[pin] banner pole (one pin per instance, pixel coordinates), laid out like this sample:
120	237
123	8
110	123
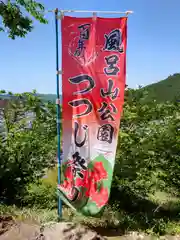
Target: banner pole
92	11
58	114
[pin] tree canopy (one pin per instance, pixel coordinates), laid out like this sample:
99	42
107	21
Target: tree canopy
17	16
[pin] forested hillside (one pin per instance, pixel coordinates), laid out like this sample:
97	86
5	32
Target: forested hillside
165	90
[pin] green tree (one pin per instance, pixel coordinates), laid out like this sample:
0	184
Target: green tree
148	148
14	20
29	143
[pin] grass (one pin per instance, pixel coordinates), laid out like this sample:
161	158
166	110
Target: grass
43	217
115	220
159	214
109	225
36	215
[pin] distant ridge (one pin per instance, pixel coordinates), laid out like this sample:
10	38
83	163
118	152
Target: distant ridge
165	90
44	97
49	97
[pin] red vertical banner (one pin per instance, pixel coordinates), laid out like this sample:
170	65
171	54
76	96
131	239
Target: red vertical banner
93	83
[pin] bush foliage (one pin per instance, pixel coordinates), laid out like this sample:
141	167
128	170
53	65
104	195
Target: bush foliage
147	159
28	143
148	148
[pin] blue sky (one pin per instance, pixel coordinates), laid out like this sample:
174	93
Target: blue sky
153	45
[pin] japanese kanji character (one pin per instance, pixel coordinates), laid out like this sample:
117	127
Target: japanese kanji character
83	78
80	48
106	113
79	164
80	102
110	92
113	41
84	31
111	61
84	35
76	127
105	133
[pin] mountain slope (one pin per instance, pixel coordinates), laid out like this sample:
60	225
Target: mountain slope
165	90
48	97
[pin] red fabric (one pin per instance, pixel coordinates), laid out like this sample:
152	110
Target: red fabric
73	66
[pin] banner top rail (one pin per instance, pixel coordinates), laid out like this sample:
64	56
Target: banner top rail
90	11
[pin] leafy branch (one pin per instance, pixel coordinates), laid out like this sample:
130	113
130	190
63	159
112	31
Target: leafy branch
14	22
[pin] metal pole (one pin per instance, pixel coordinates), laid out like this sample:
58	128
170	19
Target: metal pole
92	11
101	12
58	114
